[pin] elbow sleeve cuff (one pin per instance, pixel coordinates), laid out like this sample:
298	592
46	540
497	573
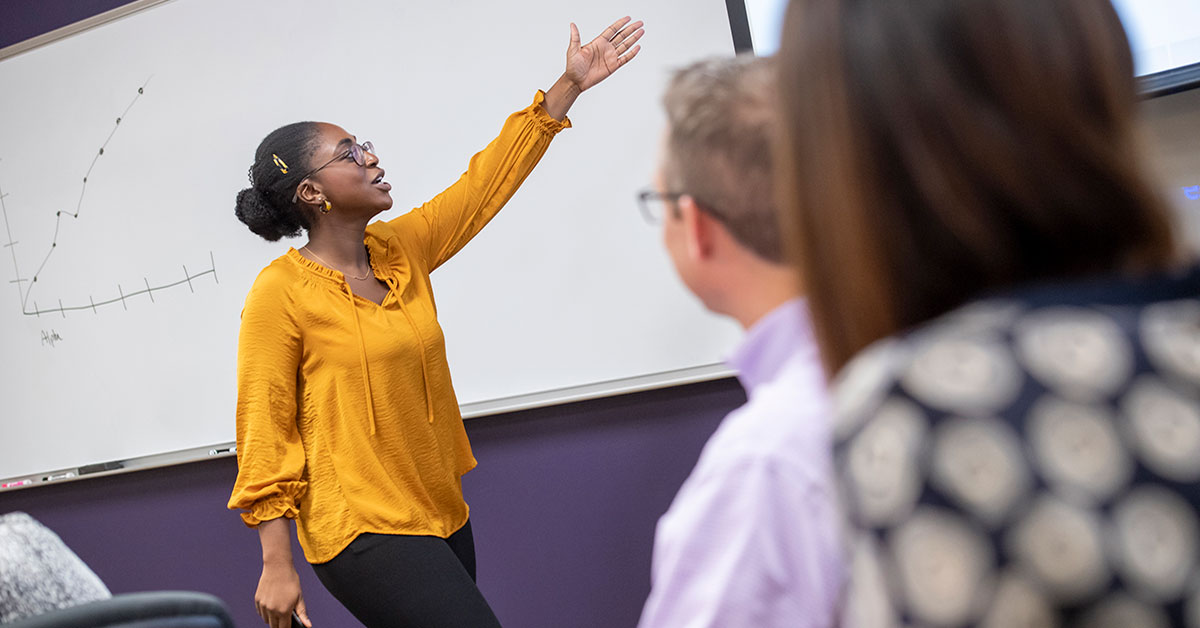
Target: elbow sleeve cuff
282	505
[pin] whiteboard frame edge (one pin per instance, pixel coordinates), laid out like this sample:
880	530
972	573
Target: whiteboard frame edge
597	390
476	410
77	27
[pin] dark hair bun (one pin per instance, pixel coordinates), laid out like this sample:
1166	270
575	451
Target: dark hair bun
267	206
265	219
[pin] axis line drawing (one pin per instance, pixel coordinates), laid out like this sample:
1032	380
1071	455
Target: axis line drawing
25	285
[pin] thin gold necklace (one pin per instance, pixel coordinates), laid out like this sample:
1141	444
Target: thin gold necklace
320	259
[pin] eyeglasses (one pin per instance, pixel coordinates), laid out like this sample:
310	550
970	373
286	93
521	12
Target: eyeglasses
653	204
356	152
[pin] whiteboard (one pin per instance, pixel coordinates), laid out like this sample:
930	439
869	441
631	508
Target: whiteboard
122	353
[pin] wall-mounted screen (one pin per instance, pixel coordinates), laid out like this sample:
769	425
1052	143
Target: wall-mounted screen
1164	35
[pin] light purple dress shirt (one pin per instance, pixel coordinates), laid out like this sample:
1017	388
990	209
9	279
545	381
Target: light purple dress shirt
752	538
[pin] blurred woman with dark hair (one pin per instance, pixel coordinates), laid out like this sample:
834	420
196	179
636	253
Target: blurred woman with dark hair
997	286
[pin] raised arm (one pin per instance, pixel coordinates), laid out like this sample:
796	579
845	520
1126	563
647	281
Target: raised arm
442	226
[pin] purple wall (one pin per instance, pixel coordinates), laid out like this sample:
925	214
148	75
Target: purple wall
23	19
563	505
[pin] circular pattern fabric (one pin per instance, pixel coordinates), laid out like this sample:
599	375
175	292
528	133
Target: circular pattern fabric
1124	611
1077	448
1163	427
1171	336
1155	537
863	384
979	464
1018	603
1079	353
1062	546
966	375
883	465
1032	465
942	563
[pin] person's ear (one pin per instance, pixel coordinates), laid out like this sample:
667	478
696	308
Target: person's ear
698	229
309	193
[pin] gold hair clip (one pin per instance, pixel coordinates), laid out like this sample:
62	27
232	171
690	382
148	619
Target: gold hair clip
279	162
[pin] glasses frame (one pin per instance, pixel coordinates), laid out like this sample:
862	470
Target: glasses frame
357	152
648	195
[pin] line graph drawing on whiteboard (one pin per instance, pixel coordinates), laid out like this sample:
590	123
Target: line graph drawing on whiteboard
25	286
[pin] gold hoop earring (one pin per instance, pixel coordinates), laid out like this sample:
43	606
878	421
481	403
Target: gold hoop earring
328	206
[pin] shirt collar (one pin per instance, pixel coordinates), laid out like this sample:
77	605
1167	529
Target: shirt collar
777	337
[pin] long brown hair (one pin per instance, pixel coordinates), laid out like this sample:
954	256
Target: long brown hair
935	150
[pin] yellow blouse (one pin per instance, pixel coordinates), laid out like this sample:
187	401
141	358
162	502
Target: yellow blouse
346	416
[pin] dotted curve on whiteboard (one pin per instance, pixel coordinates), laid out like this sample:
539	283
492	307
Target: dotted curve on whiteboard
93	305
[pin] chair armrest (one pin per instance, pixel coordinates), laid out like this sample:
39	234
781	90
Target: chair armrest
157	609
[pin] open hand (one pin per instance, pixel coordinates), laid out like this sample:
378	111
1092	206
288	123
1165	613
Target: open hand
589	64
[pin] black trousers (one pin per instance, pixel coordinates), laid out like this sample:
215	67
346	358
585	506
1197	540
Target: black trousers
402	581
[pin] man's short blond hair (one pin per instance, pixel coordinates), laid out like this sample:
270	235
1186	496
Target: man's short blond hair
721	113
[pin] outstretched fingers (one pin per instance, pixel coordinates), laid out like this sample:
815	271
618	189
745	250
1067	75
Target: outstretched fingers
626	43
614	29
627	32
626	58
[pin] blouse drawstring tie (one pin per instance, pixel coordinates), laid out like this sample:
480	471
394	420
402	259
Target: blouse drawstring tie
362	358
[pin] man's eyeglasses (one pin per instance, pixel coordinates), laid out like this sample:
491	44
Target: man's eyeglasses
356	152
653	204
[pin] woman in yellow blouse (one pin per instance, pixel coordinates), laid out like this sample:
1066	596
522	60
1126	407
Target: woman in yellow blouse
346	416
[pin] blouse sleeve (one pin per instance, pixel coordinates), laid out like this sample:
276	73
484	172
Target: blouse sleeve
442	226
270	480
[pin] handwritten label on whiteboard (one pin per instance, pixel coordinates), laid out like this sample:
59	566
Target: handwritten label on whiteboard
49	338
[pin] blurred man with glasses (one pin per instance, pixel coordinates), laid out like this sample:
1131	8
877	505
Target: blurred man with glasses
751	539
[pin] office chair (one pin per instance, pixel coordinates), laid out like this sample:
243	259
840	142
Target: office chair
43	584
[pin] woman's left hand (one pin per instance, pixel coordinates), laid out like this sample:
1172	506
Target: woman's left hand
588	65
